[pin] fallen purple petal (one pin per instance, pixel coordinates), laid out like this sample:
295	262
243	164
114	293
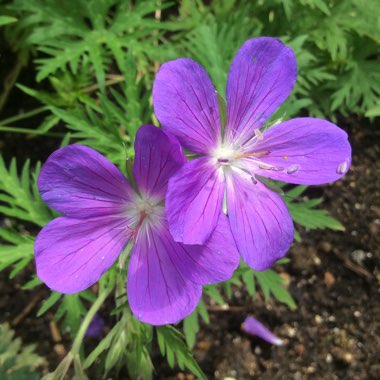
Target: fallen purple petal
254	327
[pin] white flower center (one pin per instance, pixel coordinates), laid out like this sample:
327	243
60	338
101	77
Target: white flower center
225	155
145	212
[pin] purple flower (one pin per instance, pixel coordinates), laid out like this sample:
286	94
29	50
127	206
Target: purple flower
102	213
254	327
232	160
96	327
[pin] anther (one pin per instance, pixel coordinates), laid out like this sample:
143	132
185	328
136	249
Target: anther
342	168
223	160
271	167
265	166
254	180
259	154
259	134
293	168
277	168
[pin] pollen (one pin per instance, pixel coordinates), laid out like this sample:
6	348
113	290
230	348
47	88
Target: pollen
342	168
293	169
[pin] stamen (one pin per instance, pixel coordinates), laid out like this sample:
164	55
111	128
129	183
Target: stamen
277	168
223	160
342	168
254	180
271	167
293	168
259	134
265	166
260	154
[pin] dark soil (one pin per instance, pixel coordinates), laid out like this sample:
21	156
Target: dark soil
334	278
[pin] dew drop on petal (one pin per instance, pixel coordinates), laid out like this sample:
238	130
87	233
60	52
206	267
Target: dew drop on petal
293	168
342	168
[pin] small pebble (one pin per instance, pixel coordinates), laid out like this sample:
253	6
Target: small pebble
318	319
329	279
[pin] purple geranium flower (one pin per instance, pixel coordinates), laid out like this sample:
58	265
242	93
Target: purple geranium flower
102	213
232	161
96	327
254	327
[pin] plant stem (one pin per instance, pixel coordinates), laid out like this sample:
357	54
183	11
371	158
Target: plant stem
87	320
24	115
5	128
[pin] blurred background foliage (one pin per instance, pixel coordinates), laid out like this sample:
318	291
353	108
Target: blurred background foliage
93	63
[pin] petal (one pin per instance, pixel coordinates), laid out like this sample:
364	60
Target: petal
254	327
96	327
186	104
81	183
72	254
260	221
158	293
261	77
157	157
194	200
215	261
310	151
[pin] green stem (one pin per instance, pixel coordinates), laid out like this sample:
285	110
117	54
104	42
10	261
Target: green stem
87	320
24	115
28	131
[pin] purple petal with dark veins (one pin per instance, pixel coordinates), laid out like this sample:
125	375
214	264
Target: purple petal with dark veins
72	254
81	183
194	200
260	221
158	292
215	261
261	77
186	104
310	151
157	157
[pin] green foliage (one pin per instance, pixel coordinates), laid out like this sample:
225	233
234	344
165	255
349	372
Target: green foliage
337	44
17	362
173	346
19	196
191	323
305	213
5	20
128	341
18	254
92	31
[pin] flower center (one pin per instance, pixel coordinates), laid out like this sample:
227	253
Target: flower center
146	212
225	155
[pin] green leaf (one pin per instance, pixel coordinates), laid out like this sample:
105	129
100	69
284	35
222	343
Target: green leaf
20	195
191	328
5	20
17	361
271	283
173	346
49	303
